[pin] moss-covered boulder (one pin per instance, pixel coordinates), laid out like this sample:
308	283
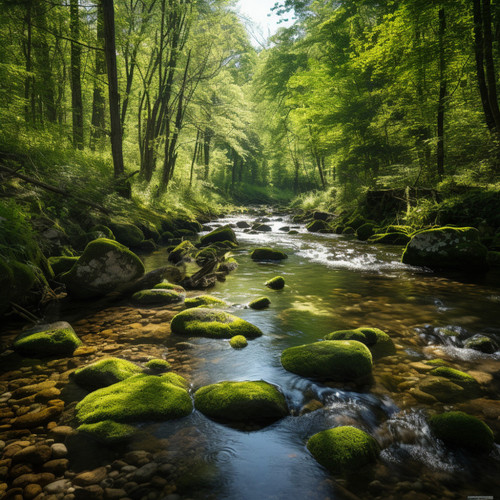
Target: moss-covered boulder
447	248
349	230
317	225
181	251
105	266
268	254
365	231
389	238
138	398
205	255
55	339
379	343
62	264
103	232
457	428
481	343
127	234
238	342
165	285
228	265
444	390
259	303
337	360
463	379
158	365
256	401
204	301
276	283
212	323
343	449
224	233
105	372
157	297
108	432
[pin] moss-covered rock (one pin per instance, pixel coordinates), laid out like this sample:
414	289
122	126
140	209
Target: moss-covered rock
104	266
317	225
338	360
365	231
481	343
263	228
165	285
212	323
204	301
102	231
457	428
138	398
260	303
389	238
348	230
157	297
268	254
343	449
127	234
206	255
62	264
458	377
276	283
166	237
379	343
228	265
158	365
56	339
181	251
224	233
256	401
105	372
447	248
444	390
238	342
108	432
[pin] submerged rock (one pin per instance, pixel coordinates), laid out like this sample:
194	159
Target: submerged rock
181	251
241	401
259	303
276	283
238	342
338	360
212	323
224	233
204	301
268	254
343	449
317	225
379	343
157	297
481	343
108	431
165	285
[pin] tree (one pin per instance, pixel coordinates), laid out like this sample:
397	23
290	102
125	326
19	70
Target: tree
76	83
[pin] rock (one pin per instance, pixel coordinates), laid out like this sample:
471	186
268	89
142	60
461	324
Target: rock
92	492
338	360
457	428
238	342
61	432
276	283
481	343
37	418
127	234
204	301
321	215
181	251
212	323
447	248
57	487
157	297
145	473
241	401
262	227
62	264
55	339
343	449
27	390
365	231
57	467
242	224
165	285
348	230
464	380
105	372
259	303
224	233
90	477
42	479
389	238
35	454
158	366
317	225
265	253
108	432
105	266
31	491
138	398
379	343
114	494
59	450
442	389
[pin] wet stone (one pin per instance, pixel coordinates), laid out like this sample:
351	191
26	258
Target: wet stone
91	477
31	491
92	492
57	466
33	454
59	450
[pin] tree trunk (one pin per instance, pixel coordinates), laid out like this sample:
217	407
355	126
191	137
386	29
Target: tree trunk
76	79
207	139
28	81
114	96
442	95
195	153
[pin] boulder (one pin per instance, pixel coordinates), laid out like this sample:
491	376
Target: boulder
242	224
444	390
365	231
55	339
157	297
337	360
104	267
127	234
379	343
260	303
224	233
317	225
108	431
105	372
276	283
181	251
165	285
204	301
158	366
212	323
268	254
343	449
481	343
256	401
447	248
62	264
238	342
389	238
262	227
321	215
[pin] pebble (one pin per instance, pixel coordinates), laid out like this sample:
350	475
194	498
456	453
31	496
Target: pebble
59	450
144	473
91	477
56	487
31	491
36	455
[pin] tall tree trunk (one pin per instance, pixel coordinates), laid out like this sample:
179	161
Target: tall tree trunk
114	96
76	78
442	95
207	139
195	153
28	81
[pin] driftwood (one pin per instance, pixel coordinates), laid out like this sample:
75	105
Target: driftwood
204	278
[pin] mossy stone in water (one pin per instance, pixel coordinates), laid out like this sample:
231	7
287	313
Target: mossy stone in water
158	365
108	431
256	401
457	428
238	342
276	283
204	301
212	323
268	254
260	303
205	255
338	360
443	390
343	449
379	343
228	265
181	251
317	225
481	343
138	398
157	297
389	238
463	379
164	285
365	231
224	233
56	339
105	372
105	231
62	264
127	234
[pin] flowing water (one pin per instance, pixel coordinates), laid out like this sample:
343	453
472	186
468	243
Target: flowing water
335	283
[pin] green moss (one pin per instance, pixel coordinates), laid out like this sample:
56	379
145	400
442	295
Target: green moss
457	428
268	254
138	398
157	297
62	264
165	285
389	238
205	255
158	365
260	303
276	283
435	362
104	231
317	225
228	265
204	301
339	360
127	234
224	233
356	221
348	230
379	343
446	390
365	231
225	245
238	342
256	401
458	377
108	432
212	323
58	339
104	372
481	343
343	449
181	251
